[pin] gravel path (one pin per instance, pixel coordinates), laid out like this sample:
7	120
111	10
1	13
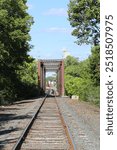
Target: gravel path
83	122
13	120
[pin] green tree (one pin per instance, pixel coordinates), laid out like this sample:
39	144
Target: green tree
71	74
84	16
27	83
28	72
81	79
94	65
71	66
72	70
15	25
14	32
70	60
84	70
51	78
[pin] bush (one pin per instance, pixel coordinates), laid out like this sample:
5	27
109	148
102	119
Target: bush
94	95
82	78
23	84
7	91
82	88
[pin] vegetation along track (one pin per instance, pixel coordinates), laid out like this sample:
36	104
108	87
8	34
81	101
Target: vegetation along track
46	130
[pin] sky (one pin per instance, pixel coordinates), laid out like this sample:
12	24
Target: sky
51	32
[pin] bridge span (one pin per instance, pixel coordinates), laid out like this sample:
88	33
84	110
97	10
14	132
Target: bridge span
51	65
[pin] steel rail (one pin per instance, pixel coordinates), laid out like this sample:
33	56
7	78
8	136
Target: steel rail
26	130
68	133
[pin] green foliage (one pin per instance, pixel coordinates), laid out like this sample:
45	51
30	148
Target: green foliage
69	85
83	78
84	70
28	73
72	70
28	80
14	31
23	85
7	91
71	66
50	78
84	16
94	60
79	81
15	25
70	60
78	86
93	95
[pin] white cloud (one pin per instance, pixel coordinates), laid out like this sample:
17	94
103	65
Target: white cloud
58	29
56	12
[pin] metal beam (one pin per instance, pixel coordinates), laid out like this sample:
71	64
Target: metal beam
52	65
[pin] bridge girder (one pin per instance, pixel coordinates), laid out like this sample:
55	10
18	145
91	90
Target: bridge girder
51	65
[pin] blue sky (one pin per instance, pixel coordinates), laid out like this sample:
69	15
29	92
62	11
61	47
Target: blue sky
51	32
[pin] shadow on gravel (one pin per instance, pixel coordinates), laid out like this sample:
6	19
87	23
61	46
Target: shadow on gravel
3	132
28	100
7	117
23	102
6	108
7	141
1	146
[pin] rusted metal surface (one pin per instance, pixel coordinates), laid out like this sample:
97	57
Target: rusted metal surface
67	132
51	65
26	130
48	130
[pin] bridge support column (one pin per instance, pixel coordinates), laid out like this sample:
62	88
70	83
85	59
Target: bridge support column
41	76
62	78
58	82
39	73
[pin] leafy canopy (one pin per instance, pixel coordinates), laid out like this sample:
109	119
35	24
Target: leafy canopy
94	65
84	17
70	60
82	77
15	24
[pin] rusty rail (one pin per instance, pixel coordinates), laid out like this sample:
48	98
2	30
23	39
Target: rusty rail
26	130
52	112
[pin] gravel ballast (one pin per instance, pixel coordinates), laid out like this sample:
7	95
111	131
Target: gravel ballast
83	122
13	120
82	119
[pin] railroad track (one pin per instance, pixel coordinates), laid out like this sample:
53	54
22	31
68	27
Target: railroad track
47	130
